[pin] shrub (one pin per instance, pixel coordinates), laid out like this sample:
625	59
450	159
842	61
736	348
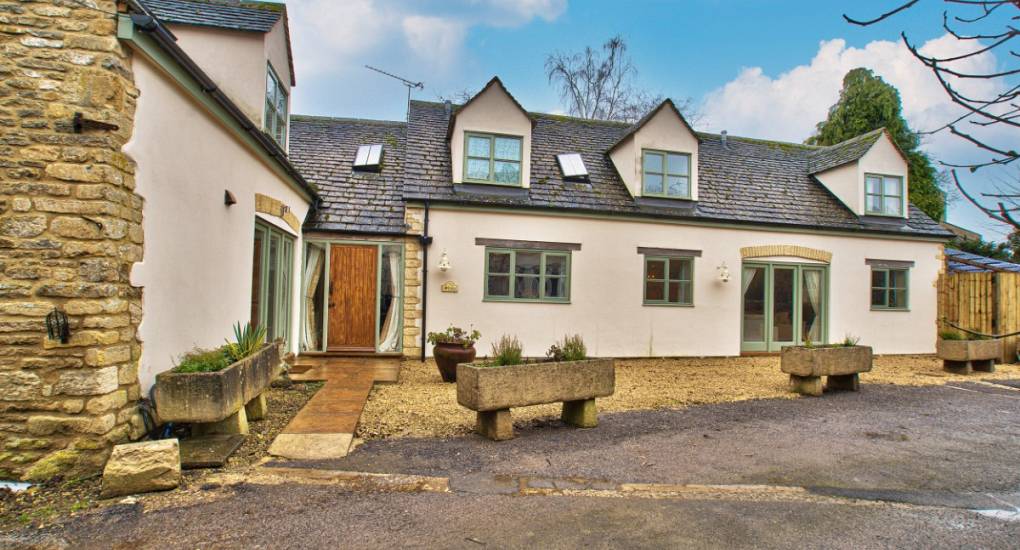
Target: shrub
454	335
850	341
247	340
950	335
571	348
204	360
506	351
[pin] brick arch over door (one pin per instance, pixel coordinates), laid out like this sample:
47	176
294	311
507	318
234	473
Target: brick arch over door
265	204
786	250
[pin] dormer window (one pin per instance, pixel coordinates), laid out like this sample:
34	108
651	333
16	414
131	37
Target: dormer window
883	195
275	118
368	158
666	174
572	166
492	158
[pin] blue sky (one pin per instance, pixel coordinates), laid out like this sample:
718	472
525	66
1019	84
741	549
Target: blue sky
760	68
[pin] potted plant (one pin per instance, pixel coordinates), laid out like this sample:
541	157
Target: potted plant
841	363
963	354
451	347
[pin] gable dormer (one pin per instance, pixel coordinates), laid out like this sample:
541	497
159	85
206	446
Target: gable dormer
490	139
868	174
658	156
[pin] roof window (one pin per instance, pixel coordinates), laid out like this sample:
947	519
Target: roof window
572	166
369	157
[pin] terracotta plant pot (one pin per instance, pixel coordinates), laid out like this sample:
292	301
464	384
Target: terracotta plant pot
449	355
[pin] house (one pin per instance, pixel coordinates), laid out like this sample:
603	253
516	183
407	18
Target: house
648	239
148	205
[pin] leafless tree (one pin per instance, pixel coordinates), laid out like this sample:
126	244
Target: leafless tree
598	84
989	25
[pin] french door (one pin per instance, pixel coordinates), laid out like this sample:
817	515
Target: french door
272	262
783	304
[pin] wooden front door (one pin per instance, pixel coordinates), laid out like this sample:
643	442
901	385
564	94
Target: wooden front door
352	297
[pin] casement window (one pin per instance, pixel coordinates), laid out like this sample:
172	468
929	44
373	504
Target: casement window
527	275
275	119
669	281
666	174
271	281
883	195
492	158
889	288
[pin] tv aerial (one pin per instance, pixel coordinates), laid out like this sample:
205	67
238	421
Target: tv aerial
411	85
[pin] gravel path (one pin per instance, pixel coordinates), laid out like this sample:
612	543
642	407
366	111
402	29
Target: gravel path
421	405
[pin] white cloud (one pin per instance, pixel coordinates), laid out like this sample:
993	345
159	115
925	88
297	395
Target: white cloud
434	40
788	106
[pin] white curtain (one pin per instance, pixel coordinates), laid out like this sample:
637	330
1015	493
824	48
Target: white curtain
748	277
391	326
313	272
813	288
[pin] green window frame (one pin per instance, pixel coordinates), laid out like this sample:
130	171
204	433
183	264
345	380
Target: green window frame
665	174
669	281
890	289
275	280
494	159
276	108
526	275
884	195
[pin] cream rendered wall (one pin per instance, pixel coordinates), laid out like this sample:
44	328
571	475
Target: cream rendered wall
235	60
665	132
847	181
495	112
606	286
197	268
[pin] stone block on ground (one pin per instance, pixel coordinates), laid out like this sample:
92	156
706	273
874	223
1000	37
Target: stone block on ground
495	425
806	385
211	451
847	382
236	423
256	409
142	467
582	414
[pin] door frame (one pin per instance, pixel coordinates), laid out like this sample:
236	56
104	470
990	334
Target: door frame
327	244
768	346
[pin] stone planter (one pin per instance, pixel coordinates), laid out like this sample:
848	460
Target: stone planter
967	356
217	401
449	355
493	391
841	364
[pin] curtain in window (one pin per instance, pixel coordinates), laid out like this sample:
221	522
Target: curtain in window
813	290
391	324
313	271
748	277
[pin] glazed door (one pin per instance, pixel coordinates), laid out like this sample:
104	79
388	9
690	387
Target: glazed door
352	298
783	305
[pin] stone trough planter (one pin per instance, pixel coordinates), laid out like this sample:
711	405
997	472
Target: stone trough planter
219	402
967	356
493	391
841	364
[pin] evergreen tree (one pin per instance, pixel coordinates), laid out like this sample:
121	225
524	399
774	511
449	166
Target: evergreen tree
867	103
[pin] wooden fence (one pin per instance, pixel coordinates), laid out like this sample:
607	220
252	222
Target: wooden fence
987	302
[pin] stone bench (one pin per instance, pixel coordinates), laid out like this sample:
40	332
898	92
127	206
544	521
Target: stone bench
841	365
492	391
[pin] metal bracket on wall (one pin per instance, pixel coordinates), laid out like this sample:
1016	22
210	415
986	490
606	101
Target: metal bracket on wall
81	124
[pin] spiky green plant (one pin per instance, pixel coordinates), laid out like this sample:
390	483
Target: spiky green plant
247	340
571	348
507	351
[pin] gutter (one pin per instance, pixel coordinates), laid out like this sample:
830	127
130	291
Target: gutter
425	241
165	40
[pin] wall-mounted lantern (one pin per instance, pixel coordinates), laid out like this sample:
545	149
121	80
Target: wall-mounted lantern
444	262
724	273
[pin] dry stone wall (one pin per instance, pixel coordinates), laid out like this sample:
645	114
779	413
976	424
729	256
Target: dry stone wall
70	230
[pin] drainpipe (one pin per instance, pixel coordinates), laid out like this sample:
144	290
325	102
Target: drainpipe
425	241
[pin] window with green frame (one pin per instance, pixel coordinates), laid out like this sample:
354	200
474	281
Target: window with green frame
883	195
275	119
889	288
271	280
492	158
527	275
665	174
669	281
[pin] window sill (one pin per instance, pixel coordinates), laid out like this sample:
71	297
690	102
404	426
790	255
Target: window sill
486	182
893	309
525	301
655	304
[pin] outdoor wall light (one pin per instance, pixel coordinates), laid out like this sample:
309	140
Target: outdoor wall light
444	262
724	273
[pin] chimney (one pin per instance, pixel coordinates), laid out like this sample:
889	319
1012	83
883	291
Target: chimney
449	107
722	135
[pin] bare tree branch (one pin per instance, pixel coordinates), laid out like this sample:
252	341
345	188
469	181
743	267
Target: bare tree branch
882	17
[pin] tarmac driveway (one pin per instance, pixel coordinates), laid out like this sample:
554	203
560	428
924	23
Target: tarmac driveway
889	466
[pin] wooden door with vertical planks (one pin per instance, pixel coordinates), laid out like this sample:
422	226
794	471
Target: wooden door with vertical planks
352	297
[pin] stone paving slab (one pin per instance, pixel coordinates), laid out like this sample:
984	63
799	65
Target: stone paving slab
211	451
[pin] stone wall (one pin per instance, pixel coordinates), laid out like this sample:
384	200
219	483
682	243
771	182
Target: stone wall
70	230
414	217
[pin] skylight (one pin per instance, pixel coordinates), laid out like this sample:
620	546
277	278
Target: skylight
368	157
572	166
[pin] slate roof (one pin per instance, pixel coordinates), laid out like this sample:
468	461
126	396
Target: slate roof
851	150
956	262
352	201
239	16
745	181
